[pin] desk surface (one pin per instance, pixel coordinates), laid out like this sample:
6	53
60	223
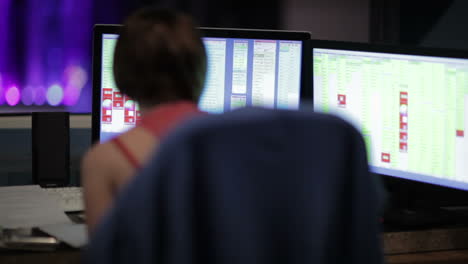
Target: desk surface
63	256
439	257
73	257
432	240
428	246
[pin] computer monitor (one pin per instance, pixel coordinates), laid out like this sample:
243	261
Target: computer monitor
411	105
245	68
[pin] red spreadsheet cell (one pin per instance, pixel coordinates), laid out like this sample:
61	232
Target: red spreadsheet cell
460	133
106	116
386	157
106	110
403	98
107	94
129	112
341	100
118	100
403	146
403	136
403	119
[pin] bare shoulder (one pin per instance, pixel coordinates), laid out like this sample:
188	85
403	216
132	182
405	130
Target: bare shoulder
97	176
111	163
100	159
98	155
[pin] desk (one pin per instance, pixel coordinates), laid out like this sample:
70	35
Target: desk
429	246
62	256
435	246
73	257
432	240
439	257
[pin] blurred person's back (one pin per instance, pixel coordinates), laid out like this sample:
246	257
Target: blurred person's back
250	186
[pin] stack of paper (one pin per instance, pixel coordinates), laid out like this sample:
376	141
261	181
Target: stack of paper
75	235
29	206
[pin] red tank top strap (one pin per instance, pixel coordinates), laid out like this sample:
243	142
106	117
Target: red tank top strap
158	122
126	152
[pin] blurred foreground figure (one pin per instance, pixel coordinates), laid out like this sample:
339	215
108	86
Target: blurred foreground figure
251	186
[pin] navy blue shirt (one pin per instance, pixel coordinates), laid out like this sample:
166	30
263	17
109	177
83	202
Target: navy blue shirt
250	186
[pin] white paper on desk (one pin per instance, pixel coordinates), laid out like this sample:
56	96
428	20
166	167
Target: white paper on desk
75	235
29	206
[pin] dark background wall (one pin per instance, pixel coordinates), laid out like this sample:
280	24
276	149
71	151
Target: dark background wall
329	19
450	29
440	24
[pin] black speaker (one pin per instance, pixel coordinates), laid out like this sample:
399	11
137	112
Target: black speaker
51	148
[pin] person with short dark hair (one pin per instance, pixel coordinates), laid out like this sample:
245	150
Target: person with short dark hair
160	62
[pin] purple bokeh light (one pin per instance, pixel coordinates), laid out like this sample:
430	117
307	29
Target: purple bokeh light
5	43
77	58
12	96
39	95
57	52
2	95
50	44
54	95
75	79
27	95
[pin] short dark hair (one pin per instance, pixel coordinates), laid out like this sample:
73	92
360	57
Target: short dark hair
159	57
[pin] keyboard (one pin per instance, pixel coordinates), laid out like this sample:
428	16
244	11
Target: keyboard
70	198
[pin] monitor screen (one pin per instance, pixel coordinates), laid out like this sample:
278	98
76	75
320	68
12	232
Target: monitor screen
411	109
241	72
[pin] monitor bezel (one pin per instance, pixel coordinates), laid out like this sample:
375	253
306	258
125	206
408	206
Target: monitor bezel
99	30
425	189
388	48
